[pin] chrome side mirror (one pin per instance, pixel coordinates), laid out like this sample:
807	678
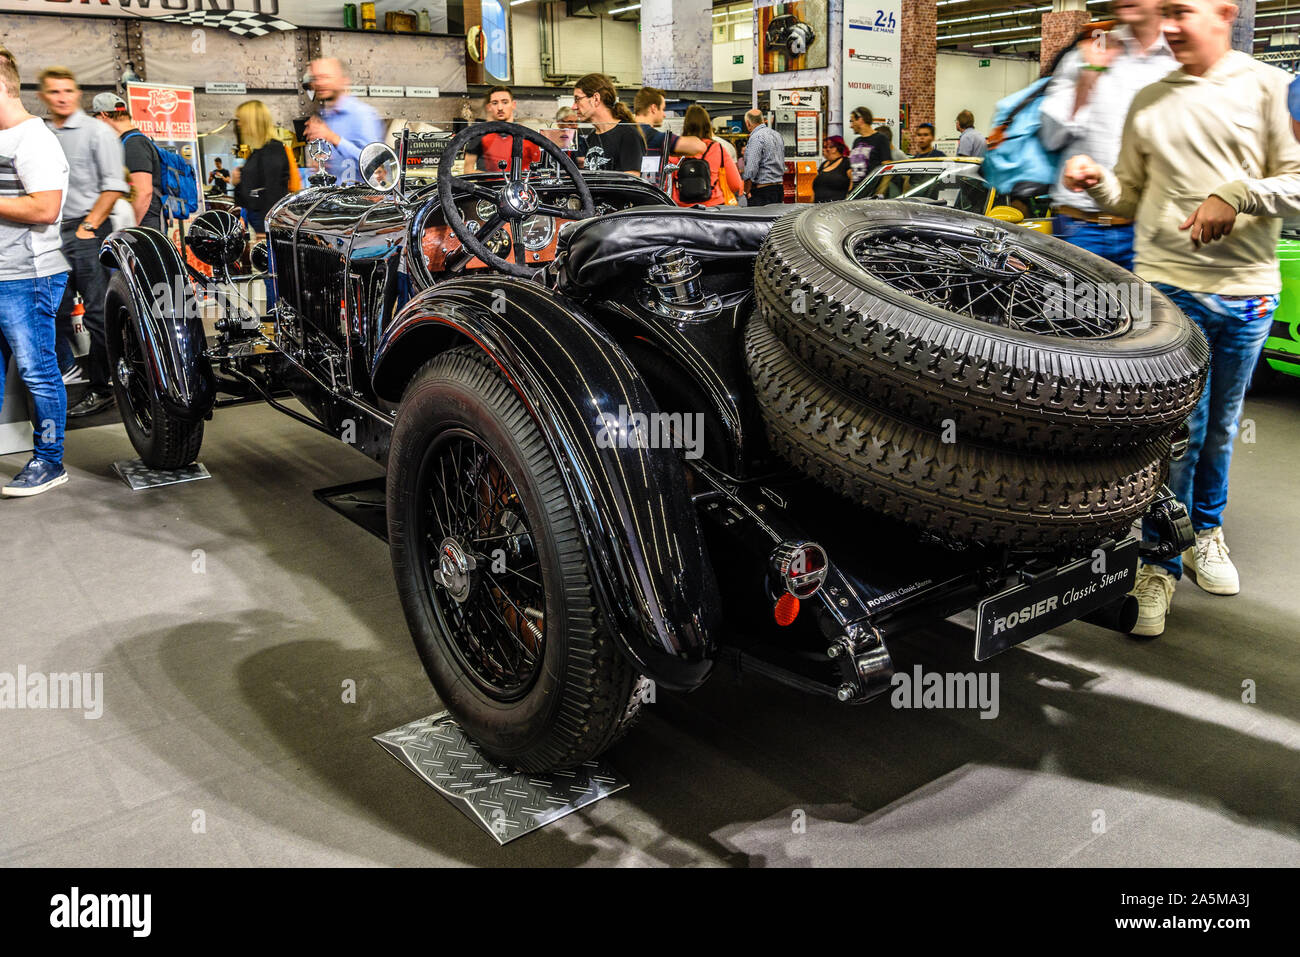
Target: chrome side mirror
379	167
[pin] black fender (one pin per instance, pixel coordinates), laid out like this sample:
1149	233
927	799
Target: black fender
173	341
653	578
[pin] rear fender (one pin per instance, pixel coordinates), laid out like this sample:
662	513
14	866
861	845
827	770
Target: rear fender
653	579
170	333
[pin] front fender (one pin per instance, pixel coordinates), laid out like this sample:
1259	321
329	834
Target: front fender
653	579
170	333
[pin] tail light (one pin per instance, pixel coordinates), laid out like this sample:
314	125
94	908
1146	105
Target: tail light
799	569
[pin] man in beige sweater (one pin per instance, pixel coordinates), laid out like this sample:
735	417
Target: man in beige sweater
1207	167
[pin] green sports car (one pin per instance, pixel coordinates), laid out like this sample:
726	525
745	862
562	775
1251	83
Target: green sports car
1281	355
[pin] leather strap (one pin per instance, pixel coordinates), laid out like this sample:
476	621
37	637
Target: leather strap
1097	219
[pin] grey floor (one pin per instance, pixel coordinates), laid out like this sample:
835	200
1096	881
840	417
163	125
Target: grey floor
227	615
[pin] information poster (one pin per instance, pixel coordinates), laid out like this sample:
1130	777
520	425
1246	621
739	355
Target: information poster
166	115
872	55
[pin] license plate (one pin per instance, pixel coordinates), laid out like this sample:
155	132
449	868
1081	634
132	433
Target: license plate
1072	591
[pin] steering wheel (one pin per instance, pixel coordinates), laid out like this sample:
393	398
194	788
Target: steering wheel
515	199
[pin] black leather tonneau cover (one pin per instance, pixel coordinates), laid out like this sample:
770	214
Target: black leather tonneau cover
602	249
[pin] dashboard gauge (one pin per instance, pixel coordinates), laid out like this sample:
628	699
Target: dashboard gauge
499	241
485	209
537	232
573	203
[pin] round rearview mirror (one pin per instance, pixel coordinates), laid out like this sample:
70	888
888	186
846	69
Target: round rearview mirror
379	167
217	237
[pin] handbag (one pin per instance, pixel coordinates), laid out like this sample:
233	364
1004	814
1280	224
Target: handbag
728	197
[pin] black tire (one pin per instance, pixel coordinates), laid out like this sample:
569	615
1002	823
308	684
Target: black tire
1011	387
583	693
960	491
162	440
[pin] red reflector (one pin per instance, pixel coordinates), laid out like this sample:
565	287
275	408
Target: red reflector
787	609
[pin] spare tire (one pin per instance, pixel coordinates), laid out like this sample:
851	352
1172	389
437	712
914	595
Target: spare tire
1021	340
959	491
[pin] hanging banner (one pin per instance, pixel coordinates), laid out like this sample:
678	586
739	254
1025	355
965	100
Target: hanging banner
496	40
872	59
166	115
241	17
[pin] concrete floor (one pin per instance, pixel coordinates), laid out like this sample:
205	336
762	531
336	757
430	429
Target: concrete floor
223	703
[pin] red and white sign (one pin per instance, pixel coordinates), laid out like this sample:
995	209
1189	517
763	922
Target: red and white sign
166	115
163	112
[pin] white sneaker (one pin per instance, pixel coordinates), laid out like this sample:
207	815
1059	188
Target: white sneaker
75	375
1208	562
1154	589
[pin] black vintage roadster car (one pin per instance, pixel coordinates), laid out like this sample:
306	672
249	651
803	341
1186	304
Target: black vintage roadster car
624	439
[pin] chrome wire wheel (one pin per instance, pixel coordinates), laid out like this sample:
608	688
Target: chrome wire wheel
480	565
986	274
132	375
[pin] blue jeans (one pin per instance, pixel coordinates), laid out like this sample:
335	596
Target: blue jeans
27	311
1109	242
1236	327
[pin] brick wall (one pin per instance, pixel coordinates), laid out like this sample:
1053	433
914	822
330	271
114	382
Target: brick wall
917	82
1059	30
94	49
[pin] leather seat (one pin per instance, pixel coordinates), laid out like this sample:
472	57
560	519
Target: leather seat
607	247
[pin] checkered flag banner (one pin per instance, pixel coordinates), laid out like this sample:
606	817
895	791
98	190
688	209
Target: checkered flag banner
237	22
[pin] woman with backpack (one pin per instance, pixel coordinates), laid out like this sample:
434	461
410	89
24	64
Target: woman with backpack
264	178
710	179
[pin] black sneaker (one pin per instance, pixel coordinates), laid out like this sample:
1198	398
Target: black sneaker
36	477
91	403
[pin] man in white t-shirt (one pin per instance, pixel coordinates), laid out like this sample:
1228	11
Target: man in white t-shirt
33	272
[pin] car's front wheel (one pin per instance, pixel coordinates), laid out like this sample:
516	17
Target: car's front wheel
493	576
162	440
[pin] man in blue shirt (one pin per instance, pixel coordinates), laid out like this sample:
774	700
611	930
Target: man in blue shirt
344	122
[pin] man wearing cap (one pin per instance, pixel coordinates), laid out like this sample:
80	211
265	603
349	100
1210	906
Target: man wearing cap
95	183
143	164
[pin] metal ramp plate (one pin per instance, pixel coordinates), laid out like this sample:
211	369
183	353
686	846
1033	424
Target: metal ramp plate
363	503
505	803
139	476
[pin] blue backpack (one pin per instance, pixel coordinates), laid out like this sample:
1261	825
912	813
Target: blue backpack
1017	162
179	189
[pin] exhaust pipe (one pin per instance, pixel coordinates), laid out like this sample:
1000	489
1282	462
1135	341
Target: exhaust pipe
1120	615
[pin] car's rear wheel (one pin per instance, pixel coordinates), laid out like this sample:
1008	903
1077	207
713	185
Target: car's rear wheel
493	574
162	440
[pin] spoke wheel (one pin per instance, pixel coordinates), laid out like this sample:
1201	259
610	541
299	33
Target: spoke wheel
493	573
481	565
162	439
987	275
132	375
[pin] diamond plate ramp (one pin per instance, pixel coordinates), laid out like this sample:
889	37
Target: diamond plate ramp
505	803
139	476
